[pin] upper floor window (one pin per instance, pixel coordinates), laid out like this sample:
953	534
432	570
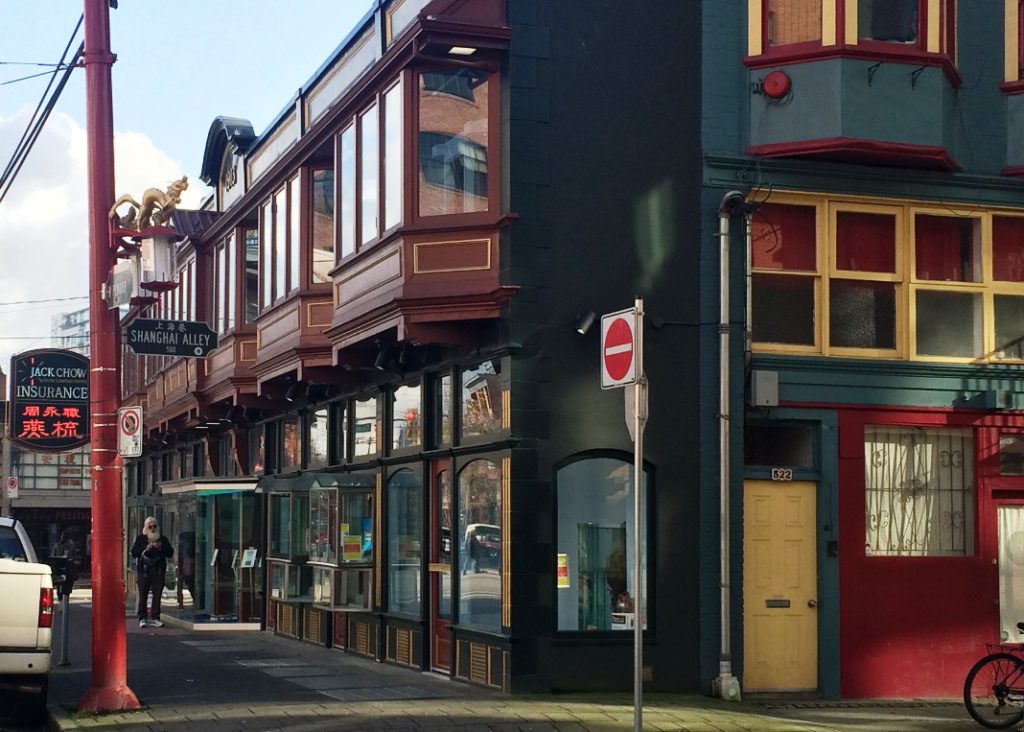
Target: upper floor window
323	225
252	275
1013	41
369	173
850	278
280	243
792	21
452	142
224	285
778	27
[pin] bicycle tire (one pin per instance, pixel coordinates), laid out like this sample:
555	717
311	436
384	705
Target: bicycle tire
994	690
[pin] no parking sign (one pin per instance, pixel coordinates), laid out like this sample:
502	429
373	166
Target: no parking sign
129	431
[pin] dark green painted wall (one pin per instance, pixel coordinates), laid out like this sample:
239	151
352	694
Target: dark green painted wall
603	117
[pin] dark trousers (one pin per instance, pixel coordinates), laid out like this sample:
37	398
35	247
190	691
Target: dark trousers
146	583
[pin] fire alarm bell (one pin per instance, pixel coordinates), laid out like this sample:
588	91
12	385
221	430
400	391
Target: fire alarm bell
776	85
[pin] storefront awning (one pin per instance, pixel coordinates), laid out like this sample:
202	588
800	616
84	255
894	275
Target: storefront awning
207	486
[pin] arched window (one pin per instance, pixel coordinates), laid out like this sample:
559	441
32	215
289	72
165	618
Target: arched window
480	545
596	580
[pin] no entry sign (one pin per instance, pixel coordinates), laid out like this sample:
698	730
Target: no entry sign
618	349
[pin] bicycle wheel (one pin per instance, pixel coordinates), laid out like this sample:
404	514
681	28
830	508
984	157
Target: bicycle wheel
994	691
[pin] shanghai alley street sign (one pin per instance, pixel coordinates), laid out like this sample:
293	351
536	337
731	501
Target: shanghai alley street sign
188	338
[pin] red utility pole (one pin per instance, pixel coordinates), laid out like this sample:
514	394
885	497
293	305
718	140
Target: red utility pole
109	690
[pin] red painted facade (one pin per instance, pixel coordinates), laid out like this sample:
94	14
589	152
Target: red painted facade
913	626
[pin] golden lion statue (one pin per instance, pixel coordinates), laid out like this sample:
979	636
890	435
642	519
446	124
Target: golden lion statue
156	207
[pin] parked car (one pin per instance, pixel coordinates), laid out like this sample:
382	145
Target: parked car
26	621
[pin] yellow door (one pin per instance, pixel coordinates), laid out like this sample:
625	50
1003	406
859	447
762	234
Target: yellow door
780	584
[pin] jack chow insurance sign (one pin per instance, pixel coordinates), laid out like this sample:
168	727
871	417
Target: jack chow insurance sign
50	400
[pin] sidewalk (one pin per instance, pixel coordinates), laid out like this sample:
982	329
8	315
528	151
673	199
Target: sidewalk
224	680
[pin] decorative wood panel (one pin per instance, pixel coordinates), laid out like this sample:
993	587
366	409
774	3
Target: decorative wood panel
479	664
283	327
318	314
370	276
361	638
451	256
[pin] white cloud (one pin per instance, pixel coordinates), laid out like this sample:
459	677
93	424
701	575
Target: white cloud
44	238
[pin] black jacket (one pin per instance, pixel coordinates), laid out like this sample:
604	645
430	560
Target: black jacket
151	561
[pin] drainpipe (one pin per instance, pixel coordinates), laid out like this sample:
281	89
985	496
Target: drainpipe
725	685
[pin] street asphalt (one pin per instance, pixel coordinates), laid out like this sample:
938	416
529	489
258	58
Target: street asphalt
246	680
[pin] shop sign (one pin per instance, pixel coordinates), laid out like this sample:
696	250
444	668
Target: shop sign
563	571
49	407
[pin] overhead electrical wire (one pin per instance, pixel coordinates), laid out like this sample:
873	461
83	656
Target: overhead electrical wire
41	113
49	299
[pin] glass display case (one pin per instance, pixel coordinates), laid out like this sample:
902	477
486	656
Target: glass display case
289	533
356	540
291	581
323	524
342	589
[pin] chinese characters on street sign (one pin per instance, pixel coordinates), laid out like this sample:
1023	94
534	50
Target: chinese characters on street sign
49	400
170	338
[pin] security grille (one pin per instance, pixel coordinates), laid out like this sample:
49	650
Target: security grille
919	491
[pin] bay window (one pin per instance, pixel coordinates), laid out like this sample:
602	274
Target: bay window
280	242
781	27
370	172
323	225
224	285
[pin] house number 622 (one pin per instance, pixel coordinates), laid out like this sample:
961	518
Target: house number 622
782	474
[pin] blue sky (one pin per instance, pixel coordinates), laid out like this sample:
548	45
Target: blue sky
180	64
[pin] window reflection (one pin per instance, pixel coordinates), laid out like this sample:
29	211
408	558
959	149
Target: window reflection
318	442
404	545
323	224
453	142
365	427
406	422
483	392
480	537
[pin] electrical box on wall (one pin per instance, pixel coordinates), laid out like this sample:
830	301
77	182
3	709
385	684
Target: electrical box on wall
764	389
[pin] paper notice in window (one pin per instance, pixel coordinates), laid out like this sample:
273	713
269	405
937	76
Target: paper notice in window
562	571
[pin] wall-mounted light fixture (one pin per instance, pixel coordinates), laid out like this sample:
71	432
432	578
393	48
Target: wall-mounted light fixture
296	390
584	321
461	51
383	358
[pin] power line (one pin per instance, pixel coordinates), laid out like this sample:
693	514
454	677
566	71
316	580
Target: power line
34	76
35	125
51	299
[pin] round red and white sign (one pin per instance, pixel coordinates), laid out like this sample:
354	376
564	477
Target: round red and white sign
129	423
618	363
12	483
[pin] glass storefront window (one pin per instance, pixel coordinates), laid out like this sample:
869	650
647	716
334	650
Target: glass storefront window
443	411
323	524
356	527
484	390
365	427
480	531
404	502
280	521
291	444
595	545
406	420
339	443
318	439
257	450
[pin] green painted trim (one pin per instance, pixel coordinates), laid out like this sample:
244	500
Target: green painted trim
721	171
827	477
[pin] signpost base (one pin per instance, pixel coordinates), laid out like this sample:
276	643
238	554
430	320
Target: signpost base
117	699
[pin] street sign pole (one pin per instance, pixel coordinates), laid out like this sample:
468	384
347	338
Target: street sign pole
639	421
109	689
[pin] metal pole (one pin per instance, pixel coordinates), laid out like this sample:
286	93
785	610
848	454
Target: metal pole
5	456
639	418
109	691
63	630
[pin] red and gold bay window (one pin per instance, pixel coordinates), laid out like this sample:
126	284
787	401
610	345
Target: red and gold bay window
849	277
902	27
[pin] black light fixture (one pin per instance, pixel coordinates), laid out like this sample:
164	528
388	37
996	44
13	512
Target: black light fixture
584	321
383	358
294	391
233	415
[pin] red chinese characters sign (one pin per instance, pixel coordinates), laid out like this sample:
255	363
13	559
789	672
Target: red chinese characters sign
50	400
